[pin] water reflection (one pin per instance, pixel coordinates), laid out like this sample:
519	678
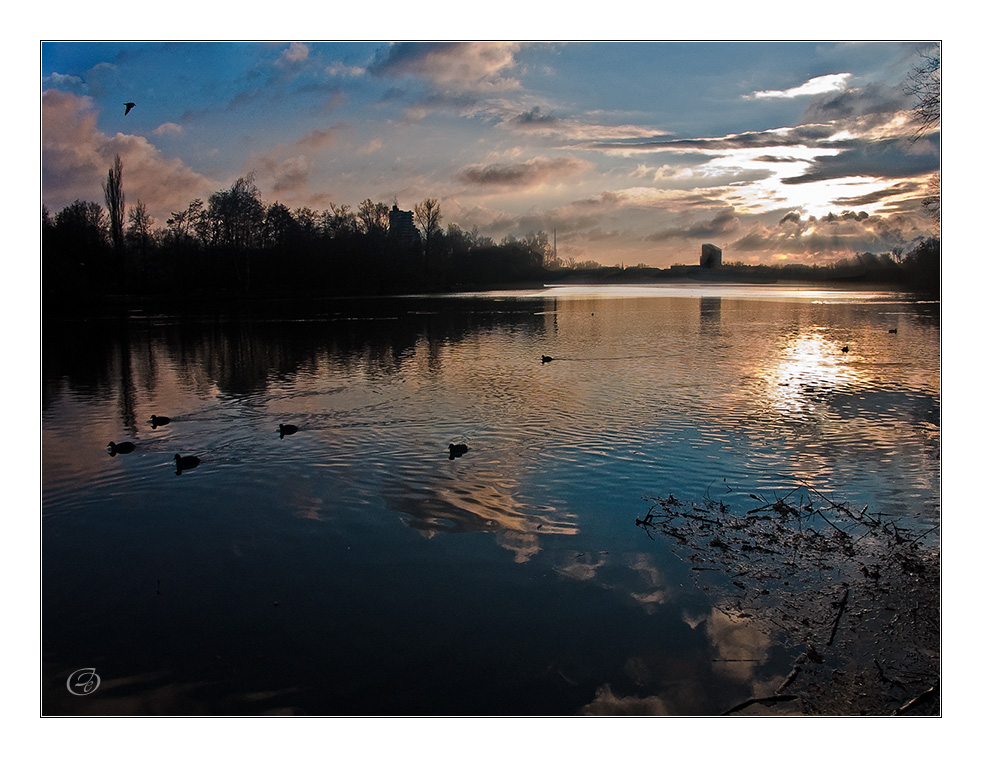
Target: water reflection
810	365
446	476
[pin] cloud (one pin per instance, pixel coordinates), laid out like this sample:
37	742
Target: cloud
294	55
287	167
289	176
532	172
76	155
807	135
606	703
797	238
723	223
854	102
339	69
318	139
815	86
534	117
168	128
895	190
739	643
66	82
455	66
581	568
894	158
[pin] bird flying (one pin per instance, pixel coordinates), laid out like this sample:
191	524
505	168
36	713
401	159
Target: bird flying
129	107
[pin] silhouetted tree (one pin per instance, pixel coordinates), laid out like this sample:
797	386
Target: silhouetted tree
116	205
280	227
83	223
115	202
47	224
924	85
307	222
374	218
187	224
235	216
458	241
922	265
79	255
140	235
339	221
234	221
537	243
427	216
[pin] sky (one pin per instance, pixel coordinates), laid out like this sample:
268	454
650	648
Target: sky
624	152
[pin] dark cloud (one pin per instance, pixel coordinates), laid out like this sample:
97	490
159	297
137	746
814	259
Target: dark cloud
529	173
872	100
450	66
794	137
407	57
895	190
795	239
534	117
723	223
606	199
319	138
776	159
892	158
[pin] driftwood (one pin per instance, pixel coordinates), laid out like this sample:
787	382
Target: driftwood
838	616
931	693
804	563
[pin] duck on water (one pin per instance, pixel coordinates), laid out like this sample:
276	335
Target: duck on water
185	462
121	449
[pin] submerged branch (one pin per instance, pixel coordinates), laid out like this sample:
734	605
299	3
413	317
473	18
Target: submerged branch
777	565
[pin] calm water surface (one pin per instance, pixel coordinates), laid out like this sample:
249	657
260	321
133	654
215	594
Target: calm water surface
355	568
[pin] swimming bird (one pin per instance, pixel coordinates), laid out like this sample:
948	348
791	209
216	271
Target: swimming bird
546	358
122	448
185	462
156	421
287	429
457	450
845	349
129	107
893	331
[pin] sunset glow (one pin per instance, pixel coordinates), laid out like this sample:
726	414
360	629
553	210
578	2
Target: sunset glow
628	153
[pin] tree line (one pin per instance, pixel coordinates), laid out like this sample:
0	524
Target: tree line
236	246
233	244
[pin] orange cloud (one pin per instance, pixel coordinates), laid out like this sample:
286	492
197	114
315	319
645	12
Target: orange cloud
76	155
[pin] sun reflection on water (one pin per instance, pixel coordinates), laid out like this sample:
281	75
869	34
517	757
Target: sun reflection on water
811	363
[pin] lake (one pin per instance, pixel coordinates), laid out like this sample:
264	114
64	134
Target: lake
356	567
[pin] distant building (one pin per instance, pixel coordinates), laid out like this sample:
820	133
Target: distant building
712	256
402	230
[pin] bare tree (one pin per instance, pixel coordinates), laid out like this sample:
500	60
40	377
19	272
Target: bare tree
141	234
374	217
115	204
924	85
427	216
339	222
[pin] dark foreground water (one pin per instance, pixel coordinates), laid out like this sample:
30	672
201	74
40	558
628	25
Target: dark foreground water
355	568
